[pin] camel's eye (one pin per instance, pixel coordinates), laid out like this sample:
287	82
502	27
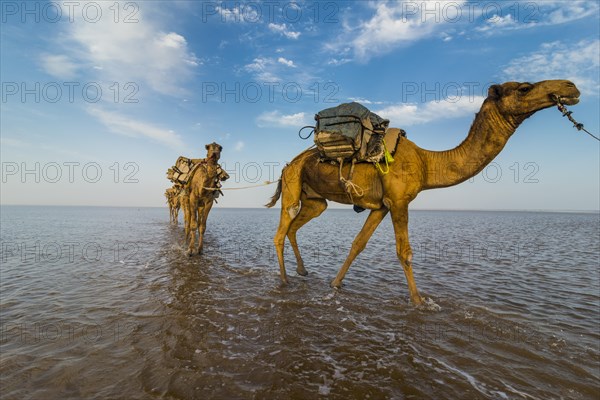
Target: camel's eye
525	89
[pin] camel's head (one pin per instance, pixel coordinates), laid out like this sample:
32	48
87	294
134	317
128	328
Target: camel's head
213	151
521	100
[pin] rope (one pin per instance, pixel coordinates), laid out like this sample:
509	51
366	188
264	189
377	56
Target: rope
352	187
309	133
566	113
265	183
388	159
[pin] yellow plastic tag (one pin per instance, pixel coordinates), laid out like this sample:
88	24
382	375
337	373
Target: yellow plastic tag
388	157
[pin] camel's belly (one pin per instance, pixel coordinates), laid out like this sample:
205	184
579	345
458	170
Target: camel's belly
365	188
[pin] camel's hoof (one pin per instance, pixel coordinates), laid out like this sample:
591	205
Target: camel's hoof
336	285
417	301
301	271
284	282
189	253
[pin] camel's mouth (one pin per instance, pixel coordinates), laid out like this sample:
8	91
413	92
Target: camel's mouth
566	100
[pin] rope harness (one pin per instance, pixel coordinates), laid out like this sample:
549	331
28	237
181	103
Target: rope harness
566	113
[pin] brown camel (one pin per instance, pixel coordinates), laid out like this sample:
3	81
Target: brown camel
199	194
172	195
306	183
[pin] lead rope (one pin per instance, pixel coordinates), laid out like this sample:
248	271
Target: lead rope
566	113
265	183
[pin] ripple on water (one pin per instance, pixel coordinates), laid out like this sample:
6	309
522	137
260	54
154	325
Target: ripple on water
509	317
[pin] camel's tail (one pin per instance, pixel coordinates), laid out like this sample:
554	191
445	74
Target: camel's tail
277	194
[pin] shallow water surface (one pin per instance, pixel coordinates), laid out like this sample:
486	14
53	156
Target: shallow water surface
103	303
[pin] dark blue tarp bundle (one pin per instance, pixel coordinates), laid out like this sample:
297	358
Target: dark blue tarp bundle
347	120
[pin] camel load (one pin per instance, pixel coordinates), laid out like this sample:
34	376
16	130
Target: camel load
181	171
351	131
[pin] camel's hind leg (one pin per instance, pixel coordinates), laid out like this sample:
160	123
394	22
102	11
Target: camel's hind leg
290	207
311	208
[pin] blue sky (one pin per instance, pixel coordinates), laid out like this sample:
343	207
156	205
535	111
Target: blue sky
100	98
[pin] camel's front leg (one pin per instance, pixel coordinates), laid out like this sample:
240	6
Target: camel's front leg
360	242
202	216
186	217
192	227
176	214
403	250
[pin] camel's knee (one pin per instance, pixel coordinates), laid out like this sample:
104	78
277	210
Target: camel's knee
279	241
293	210
405	255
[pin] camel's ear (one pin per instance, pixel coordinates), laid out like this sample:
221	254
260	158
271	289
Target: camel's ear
220	148
206	146
495	92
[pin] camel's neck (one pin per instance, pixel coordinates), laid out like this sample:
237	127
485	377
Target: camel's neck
488	135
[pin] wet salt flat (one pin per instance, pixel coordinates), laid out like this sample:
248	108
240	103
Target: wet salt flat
103	303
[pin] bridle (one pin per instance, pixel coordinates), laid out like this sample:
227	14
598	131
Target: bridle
566	113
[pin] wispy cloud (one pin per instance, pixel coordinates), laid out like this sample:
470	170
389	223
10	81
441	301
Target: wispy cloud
277	119
535	14
415	114
392	25
123	125
338	61
11	142
59	66
578	62
364	101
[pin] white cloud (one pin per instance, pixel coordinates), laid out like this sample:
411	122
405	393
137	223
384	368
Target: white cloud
395	24
142	52
263	69
123	125
414	114
59	66
284	30
286	62
276	118
239	146
578	62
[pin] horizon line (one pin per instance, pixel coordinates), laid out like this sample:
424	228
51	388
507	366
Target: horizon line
329	208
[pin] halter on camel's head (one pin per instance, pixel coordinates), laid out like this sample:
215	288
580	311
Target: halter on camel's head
213	151
212	156
520	100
